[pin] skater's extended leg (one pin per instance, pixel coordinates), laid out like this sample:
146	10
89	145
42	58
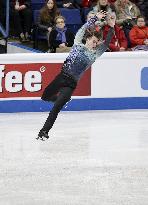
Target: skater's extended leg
63	97
50	92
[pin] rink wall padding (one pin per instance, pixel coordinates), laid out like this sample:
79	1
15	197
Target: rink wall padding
75	105
115	81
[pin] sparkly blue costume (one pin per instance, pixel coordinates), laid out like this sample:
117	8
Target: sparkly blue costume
81	58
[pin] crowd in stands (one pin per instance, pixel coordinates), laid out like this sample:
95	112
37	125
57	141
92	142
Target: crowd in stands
131	29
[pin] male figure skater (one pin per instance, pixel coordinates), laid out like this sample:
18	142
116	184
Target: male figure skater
88	45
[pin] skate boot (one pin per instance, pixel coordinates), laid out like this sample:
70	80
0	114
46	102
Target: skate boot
43	135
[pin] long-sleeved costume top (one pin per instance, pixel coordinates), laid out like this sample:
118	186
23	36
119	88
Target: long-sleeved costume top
80	57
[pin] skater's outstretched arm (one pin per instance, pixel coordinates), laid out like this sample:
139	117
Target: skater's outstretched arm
103	47
80	34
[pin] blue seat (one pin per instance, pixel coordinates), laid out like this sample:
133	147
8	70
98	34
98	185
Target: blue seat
85	11
72	18
37	4
35	15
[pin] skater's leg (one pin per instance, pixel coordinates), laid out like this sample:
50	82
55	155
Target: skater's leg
50	92
63	97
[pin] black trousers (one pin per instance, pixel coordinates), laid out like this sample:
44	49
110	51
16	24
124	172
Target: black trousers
62	87
21	20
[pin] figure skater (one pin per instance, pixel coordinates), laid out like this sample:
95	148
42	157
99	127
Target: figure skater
88	45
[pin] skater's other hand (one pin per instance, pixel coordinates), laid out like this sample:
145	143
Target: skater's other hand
101	14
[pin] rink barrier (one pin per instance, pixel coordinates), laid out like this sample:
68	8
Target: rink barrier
75	105
17	47
115	81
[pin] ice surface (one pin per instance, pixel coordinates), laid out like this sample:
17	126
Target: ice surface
91	158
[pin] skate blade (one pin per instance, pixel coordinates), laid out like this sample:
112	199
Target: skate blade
42	138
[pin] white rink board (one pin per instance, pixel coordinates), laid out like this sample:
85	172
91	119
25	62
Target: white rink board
113	74
118	75
119	80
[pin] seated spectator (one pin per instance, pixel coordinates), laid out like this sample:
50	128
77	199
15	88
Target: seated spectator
139	35
61	38
69	4
21	16
118	41
104	5
46	17
127	13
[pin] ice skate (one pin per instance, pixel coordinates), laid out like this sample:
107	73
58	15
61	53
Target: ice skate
43	135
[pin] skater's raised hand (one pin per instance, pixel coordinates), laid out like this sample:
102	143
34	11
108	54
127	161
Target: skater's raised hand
101	14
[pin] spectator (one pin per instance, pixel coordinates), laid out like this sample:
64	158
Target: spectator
139	35
69	4
127	13
60	38
47	16
104	5
21	14
118	41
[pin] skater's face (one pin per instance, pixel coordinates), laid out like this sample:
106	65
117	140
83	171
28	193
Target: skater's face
92	42
50	4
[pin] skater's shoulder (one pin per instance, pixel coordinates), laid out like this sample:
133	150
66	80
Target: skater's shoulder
78	47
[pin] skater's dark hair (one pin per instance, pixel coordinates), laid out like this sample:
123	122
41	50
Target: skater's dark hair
92	32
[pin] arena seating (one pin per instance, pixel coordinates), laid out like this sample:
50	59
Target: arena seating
73	18
36	34
73	22
37	4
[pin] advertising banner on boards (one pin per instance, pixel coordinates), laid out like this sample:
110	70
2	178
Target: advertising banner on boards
29	80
